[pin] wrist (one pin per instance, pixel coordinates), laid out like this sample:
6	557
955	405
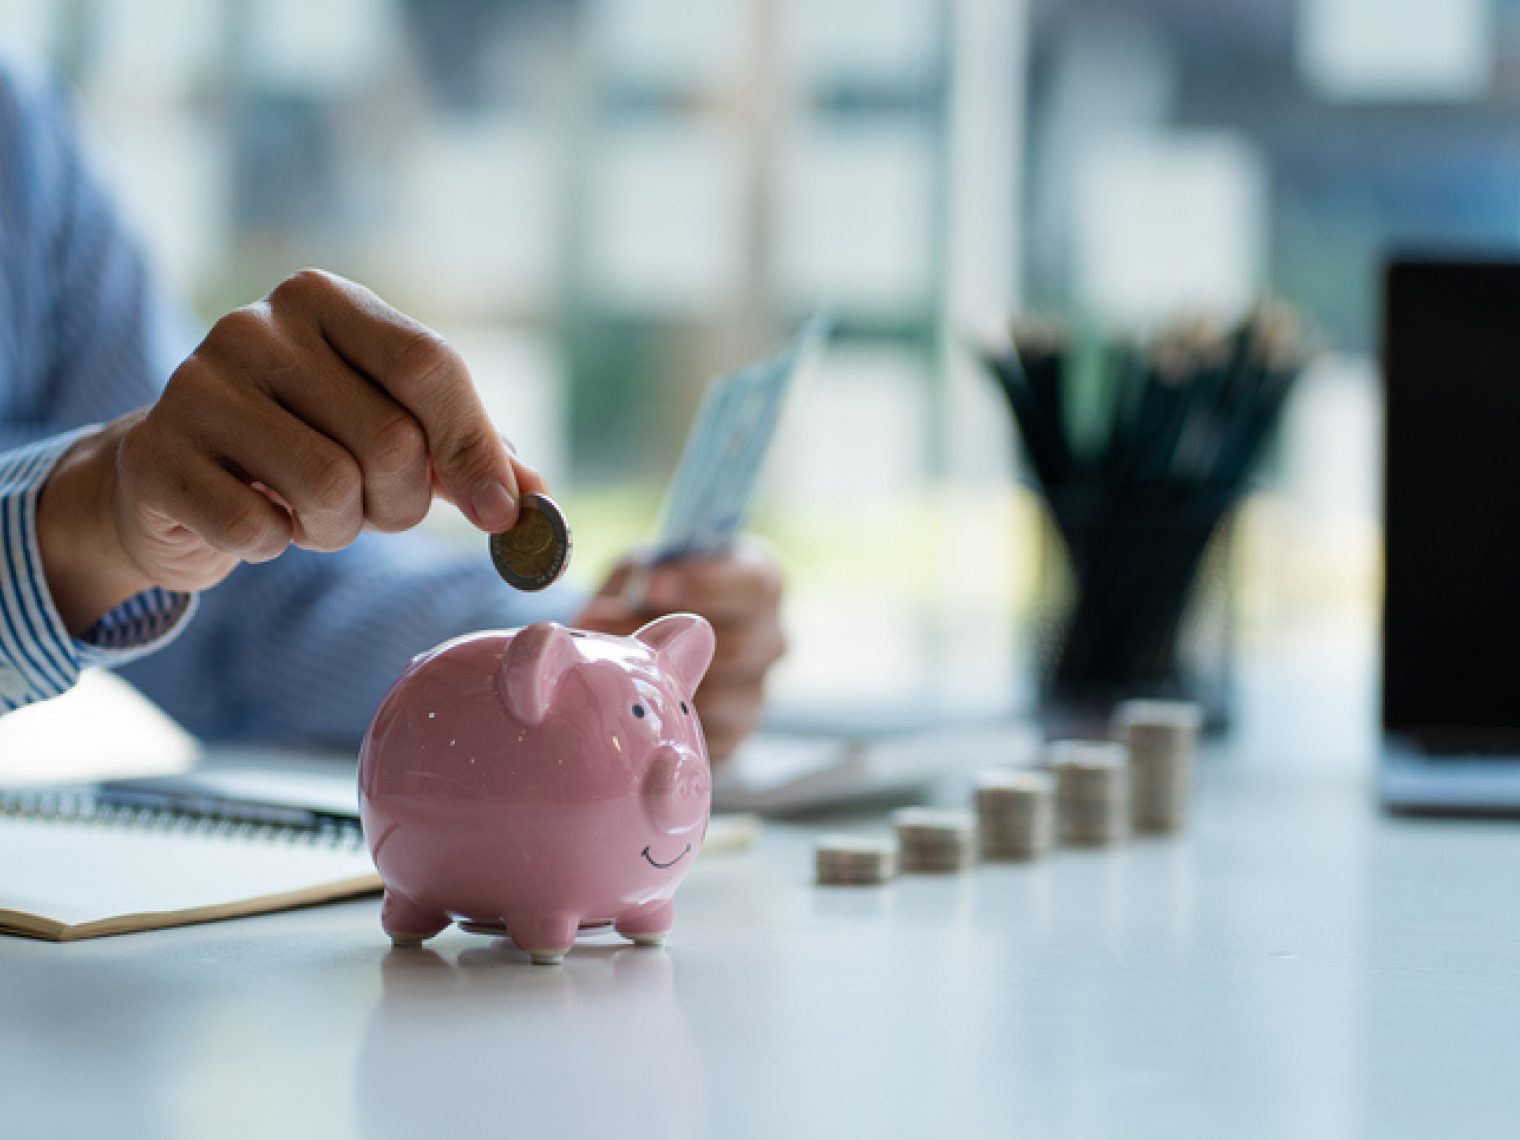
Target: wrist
88	570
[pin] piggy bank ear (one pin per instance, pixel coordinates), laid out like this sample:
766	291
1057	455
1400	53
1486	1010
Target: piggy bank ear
684	643
536	661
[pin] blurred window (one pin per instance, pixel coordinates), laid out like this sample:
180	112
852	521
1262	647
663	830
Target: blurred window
606	202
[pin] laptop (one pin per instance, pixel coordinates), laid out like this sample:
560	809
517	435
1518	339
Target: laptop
1451	512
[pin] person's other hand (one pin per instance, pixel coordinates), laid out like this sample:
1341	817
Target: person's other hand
302	419
740	594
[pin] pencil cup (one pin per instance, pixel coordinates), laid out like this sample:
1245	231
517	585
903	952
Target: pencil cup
1135	600
1141	451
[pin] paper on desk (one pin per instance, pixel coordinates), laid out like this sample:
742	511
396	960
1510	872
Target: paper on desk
779	774
99	729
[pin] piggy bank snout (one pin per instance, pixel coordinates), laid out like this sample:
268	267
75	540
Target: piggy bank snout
677	789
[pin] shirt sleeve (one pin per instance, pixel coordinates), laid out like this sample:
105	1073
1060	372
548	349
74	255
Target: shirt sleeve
87	334
38	657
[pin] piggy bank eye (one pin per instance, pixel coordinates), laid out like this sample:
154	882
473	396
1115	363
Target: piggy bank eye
638	711
684	709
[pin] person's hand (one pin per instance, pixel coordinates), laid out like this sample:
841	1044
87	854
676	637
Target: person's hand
740	595
301	419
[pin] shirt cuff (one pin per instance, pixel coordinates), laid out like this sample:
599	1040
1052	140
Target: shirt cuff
138	626
38	657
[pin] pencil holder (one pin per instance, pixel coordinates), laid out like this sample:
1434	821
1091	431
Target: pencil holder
1135	600
1141	453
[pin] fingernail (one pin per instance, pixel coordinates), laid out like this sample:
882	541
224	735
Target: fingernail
493	506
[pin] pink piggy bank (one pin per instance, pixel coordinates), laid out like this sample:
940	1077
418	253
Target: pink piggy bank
540	780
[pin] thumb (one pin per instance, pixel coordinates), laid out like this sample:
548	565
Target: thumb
609	613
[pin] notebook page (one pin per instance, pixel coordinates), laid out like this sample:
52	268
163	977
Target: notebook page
81	872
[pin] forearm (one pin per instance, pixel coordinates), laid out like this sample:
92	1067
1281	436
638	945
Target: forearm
40	654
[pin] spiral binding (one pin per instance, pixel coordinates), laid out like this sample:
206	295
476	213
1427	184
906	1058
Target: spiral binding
86	807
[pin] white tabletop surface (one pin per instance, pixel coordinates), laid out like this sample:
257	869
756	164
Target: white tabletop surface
1295	966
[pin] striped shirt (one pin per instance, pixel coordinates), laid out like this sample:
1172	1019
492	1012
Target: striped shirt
295	651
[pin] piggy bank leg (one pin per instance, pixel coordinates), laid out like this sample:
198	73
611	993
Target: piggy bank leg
409	923
649	924
543	937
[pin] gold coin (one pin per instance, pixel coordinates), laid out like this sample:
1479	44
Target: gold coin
536	551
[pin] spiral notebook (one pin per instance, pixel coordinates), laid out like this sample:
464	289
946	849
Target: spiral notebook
132	855
81	865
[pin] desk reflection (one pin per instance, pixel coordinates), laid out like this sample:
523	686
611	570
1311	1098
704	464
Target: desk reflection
601	1040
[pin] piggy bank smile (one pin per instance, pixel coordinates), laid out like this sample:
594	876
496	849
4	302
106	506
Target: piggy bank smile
653	862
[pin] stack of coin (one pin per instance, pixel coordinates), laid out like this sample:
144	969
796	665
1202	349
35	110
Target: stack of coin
935	841
1015	814
1092	791
854	861
1161	737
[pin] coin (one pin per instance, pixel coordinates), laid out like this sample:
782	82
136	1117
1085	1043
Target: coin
853	861
1162	737
1092	791
1015	814
935	841
536	551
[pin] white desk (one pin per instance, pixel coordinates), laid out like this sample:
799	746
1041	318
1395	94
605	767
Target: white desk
1296	966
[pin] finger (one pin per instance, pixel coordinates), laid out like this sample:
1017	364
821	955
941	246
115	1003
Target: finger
726	706
617	581
610	615
728	714
629	581
717	588
419	369
746	652
197	492
529	480
384	438
318	480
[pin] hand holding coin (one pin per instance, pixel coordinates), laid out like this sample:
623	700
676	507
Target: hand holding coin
301	420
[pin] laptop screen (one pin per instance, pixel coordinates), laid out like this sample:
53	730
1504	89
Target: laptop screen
1451	611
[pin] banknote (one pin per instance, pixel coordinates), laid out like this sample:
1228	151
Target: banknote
713	488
